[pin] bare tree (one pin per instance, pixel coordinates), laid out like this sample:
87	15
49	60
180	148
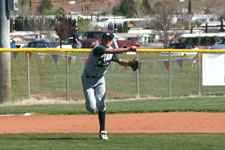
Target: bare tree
23	11
41	25
215	6
165	21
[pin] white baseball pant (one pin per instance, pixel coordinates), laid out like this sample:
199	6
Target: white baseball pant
94	92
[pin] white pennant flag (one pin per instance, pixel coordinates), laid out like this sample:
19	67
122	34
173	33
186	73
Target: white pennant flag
42	56
73	59
112	65
82	61
193	60
152	64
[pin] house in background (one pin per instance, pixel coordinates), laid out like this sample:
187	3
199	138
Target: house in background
140	35
141	38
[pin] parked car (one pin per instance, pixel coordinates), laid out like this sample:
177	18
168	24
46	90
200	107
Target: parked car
20	45
67	43
219	45
92	38
183	46
39	44
14	45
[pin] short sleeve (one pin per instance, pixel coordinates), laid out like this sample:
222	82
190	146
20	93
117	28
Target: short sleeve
115	57
99	50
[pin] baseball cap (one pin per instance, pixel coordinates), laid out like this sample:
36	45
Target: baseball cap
107	34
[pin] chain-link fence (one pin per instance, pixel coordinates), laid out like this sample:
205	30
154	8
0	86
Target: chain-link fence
57	75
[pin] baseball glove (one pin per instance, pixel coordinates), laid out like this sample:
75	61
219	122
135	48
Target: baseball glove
134	64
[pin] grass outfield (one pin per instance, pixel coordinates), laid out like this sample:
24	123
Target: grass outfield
198	104
125	141
85	141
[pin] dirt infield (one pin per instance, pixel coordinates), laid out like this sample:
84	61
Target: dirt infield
171	122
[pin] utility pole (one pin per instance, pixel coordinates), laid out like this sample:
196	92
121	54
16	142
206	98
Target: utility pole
5	57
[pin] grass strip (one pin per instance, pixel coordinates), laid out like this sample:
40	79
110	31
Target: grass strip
198	104
84	141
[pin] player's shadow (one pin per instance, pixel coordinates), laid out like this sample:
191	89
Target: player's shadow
63	138
53	139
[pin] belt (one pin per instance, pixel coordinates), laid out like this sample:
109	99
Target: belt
87	76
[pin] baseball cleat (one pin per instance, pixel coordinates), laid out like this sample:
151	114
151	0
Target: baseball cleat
103	135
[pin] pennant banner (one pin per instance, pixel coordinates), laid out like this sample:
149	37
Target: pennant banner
83	61
55	58
166	63
29	54
112	65
152	64
69	59
180	62
193	60
42	56
15	54
73	59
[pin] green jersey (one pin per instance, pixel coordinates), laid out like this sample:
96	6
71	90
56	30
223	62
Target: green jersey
98	61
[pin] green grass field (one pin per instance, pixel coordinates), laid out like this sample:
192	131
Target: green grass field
198	104
48	77
125	141
85	141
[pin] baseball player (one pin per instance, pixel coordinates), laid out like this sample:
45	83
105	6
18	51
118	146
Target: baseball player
76	43
93	80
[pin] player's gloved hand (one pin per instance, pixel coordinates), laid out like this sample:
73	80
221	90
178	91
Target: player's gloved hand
134	64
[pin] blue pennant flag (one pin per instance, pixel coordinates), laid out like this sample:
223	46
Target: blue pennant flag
55	58
180	62
15	54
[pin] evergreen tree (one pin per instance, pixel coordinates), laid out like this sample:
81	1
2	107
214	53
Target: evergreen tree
189	7
116	10
120	28
221	26
110	26
125	27
127	8
61	14
146	7
206	27
191	30
44	4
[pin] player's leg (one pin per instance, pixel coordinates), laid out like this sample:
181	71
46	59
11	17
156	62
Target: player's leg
90	100
89	94
100	99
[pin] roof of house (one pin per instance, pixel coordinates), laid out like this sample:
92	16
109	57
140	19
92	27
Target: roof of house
133	35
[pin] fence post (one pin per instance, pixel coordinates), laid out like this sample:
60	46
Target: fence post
28	74
169	75
5	57
67	77
137	80
199	74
